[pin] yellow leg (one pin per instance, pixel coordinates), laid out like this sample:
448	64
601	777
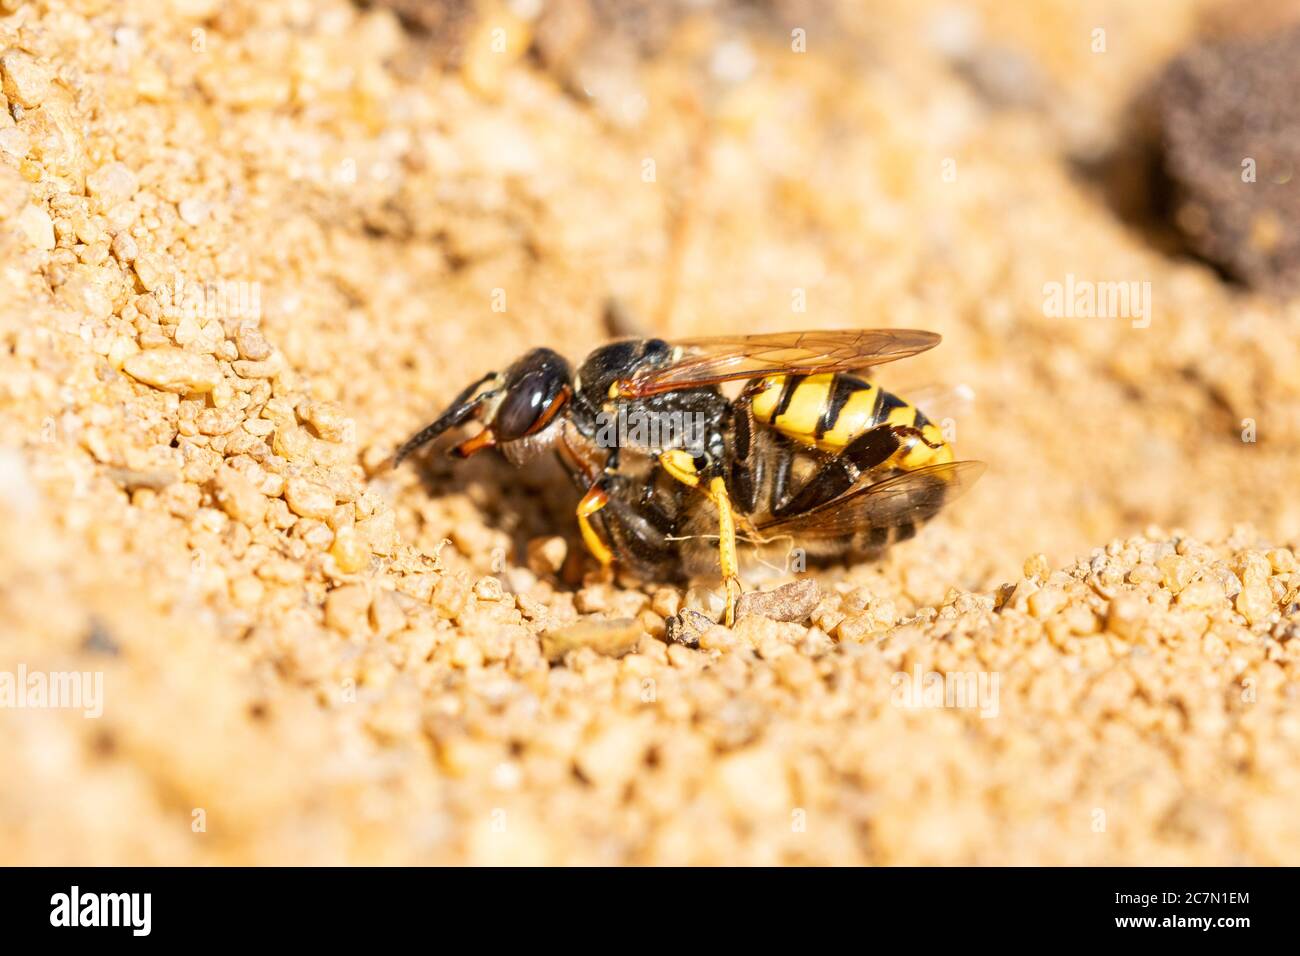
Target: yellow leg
591	502
726	546
682	467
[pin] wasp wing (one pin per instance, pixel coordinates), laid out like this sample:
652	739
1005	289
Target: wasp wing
910	497
938	402
725	358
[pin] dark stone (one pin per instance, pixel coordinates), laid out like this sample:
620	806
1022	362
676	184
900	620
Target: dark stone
1221	105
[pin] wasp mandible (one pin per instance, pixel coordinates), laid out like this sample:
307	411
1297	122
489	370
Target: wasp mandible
808	450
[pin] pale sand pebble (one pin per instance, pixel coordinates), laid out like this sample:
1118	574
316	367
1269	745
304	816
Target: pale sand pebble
14	143
252	345
174	370
37	226
613	638
348	551
347	610
240	497
790	602
110	185
309	499
25	80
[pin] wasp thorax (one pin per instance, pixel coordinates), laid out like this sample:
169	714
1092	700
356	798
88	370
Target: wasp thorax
619	360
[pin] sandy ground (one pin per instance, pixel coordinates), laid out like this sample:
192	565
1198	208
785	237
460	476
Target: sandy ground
249	246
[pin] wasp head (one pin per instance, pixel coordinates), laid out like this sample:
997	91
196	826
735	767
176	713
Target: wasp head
519	409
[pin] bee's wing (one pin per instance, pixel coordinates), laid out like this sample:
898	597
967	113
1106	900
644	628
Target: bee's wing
725	358
938	402
913	496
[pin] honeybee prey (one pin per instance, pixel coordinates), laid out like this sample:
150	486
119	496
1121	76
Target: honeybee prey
671	470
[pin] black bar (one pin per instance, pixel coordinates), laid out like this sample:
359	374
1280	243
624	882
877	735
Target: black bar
338	905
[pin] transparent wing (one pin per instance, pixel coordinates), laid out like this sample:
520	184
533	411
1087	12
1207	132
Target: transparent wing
938	402
910	497
725	358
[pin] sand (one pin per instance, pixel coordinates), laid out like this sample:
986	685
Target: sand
247	247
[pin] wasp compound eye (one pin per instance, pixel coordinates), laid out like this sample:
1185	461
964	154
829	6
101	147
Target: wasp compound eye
535	388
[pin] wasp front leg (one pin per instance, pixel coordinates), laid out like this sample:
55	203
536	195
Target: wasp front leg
621	525
593	501
594	476
682	466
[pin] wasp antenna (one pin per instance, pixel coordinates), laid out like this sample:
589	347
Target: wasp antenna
459	412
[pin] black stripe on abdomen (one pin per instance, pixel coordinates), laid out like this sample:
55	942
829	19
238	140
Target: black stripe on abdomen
787	395
842	389
886	402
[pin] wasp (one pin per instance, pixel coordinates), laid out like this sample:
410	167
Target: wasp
672	470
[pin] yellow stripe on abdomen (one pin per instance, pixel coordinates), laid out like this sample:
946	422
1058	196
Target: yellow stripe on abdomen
797	407
765	400
920	454
804	407
855	416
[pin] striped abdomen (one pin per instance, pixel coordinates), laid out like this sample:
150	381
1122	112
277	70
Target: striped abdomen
828	411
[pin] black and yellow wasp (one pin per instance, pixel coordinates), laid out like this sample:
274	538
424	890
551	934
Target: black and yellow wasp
807	452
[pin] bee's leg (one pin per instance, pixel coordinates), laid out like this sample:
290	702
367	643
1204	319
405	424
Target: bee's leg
726	546
747	467
595	499
869	450
642	535
782	466
682	466
763	459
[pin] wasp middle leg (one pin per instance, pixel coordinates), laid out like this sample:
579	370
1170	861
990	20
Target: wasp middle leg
705	474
